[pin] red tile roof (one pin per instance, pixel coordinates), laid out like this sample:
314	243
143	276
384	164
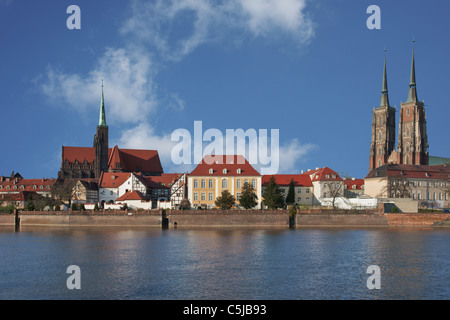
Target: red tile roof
113	179
31	185
131	160
131	195
300	180
220	162
323	174
358	183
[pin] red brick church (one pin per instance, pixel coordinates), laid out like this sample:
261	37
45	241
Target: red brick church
412	142
90	162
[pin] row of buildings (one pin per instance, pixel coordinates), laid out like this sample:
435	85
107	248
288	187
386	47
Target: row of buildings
114	177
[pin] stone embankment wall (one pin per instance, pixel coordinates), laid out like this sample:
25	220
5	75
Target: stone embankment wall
225	218
228	218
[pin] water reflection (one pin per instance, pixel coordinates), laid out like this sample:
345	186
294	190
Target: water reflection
143	263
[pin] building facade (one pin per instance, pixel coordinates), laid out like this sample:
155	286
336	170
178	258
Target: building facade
217	173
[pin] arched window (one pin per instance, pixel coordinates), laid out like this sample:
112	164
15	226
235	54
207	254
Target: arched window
211	183
224	183
380	121
407	159
203	184
238	183
195	183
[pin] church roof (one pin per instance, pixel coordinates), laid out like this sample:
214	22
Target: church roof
130	160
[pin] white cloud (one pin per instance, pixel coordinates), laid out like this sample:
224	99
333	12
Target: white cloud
292	153
157	23
143	136
130	92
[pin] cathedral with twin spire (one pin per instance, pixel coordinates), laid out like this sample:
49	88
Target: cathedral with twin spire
412	142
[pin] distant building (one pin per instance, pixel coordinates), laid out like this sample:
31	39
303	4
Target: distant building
353	188
220	172
85	191
303	188
412	143
429	185
91	162
326	184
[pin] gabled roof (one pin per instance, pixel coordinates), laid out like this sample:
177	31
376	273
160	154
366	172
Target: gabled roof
232	163
358	183
284	180
323	174
131	195
113	179
130	160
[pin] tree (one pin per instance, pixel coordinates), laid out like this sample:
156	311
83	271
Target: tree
396	187
225	201
335	190
273	195
290	199
248	199
64	191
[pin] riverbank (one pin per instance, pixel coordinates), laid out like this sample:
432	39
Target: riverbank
224	218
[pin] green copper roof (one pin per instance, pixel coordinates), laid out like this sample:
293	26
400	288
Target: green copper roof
102	120
384	92
412	95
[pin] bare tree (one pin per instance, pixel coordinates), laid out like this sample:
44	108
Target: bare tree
397	187
336	190
63	190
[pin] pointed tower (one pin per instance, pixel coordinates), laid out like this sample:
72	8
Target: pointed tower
101	142
412	145
383	128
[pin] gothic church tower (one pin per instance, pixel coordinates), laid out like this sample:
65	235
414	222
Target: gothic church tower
101	142
383	129
412	145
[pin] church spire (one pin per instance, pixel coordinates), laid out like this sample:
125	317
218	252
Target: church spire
412	95
102	120
384	92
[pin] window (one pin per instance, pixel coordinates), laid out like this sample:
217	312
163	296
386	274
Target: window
211	183
299	200
380	121
196	184
225	171
307	199
238	196
299	190
307	190
203	196
254	183
239	171
238	183
245	181
111	193
211	171
195	196
224	183
203	184
210	196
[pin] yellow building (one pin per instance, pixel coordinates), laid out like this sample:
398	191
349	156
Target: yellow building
217	173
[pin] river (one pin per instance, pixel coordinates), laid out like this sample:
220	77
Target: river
226	264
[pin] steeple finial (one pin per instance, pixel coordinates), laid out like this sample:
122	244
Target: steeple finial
102	120
412	95
384	92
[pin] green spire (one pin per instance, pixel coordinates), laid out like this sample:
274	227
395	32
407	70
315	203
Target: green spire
102	121
384	92
412	95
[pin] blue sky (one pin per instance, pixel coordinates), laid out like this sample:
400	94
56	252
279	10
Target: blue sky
311	69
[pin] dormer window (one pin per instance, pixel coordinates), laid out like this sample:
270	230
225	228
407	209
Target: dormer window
239	171
225	171
22	187
211	171
35	187
41	187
